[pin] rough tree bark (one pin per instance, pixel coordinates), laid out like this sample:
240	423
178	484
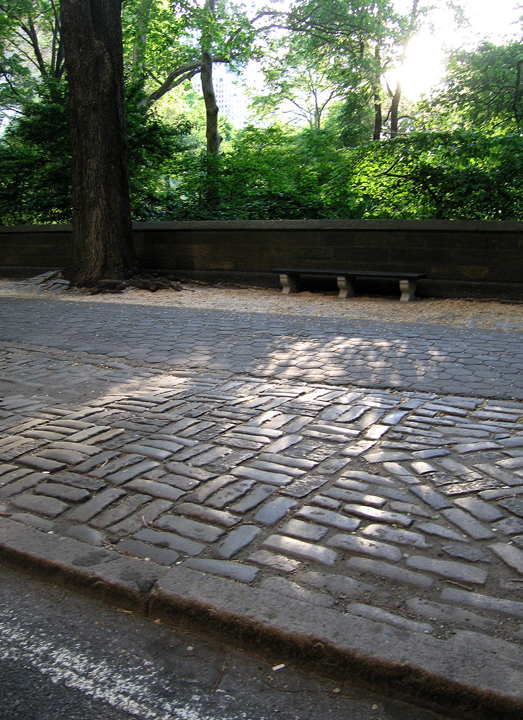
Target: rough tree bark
394	107
376	90
211	107
140	41
102	227
209	97
378	121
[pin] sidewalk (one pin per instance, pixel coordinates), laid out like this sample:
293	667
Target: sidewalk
346	491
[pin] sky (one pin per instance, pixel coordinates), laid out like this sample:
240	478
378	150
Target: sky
424	66
488	18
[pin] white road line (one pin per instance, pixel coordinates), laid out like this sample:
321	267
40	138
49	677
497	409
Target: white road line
128	690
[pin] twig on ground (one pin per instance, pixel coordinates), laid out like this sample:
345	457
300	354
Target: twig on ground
224	667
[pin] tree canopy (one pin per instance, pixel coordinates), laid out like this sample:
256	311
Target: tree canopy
331	135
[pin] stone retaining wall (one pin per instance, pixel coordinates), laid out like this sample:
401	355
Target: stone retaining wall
461	258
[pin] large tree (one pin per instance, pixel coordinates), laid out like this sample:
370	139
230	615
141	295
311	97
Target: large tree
102	227
482	90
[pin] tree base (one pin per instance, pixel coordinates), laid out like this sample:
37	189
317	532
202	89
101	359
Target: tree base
57	281
142	281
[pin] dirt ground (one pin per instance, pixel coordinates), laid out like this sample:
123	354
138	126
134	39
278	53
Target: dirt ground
473	313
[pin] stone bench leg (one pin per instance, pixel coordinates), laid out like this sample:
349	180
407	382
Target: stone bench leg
408	290
289	283
346	287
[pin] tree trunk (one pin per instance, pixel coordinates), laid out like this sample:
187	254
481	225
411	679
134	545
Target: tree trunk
211	108
378	120
212	192
140	42
394	111
102	227
378	117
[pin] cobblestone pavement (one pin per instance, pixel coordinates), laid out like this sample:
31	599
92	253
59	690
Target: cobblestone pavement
399	504
433	358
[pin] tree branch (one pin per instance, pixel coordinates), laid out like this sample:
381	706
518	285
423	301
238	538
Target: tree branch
169	81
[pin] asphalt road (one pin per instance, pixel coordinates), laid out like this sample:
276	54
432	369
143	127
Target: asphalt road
67	657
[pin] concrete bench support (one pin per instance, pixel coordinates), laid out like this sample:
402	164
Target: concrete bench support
408	290
289	280
289	283
345	286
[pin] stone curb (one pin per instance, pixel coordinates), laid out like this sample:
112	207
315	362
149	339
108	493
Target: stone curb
465	676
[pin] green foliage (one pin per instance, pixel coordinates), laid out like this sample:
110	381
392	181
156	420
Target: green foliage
447	175
35	159
482	90
30	48
273	173
277	173
329	62
35	172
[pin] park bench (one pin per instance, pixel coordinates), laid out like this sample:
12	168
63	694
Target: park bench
289	280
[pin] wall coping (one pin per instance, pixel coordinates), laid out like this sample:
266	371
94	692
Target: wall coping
468	226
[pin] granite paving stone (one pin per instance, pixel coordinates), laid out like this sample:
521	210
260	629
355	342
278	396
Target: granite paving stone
442	532
159	555
220	517
304	486
141	518
237	540
339	493
328	518
360	460
190	528
304	530
230	494
88	510
431	497
269	478
402	537
128	473
62	492
48	506
483	602
280	563
509	526
514	505
273	511
115	514
510	555
34	521
448	569
223	568
363	546
391	572
170	540
24	482
41	463
468	524
372	513
258	495
480	509
299	548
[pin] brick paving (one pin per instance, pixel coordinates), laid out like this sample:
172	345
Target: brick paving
248	447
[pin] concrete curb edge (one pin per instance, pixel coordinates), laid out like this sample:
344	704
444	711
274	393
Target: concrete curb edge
451	676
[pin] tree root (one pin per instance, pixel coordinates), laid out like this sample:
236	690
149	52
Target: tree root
143	281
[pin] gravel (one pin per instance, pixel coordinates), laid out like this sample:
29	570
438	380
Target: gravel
464	313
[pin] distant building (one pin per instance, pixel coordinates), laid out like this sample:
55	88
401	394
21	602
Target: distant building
230	96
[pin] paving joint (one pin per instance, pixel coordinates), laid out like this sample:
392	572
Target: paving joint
375	531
